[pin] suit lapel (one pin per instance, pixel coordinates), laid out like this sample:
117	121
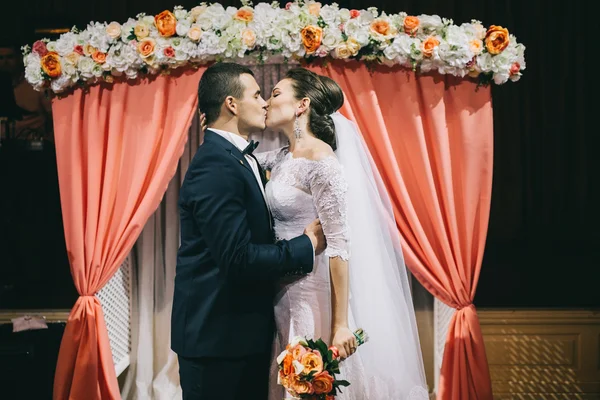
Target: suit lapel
241	160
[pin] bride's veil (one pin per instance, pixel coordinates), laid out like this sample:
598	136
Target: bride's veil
380	294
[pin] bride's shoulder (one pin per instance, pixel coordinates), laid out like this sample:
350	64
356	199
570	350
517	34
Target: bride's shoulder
318	151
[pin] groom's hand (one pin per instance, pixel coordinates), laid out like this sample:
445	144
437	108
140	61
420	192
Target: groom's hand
314	231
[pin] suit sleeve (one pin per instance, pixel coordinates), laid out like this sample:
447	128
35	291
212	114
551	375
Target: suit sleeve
217	201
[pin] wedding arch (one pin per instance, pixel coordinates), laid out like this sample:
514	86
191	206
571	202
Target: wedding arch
418	87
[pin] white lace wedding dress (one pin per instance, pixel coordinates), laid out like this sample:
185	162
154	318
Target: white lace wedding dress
299	191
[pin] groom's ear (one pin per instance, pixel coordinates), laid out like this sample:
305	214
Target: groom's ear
232	105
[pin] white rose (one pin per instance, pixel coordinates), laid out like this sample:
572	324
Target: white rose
69	69
365	18
183	27
180	14
281	356
500	78
61	83
342	51
433	22
33	74
344	14
113	30
298	367
97	70
197	11
298	340
331	37
85	65
354	29
485	62
149	20
328	13
51	46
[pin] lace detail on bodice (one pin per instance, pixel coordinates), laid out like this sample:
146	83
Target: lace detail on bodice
268	159
301	190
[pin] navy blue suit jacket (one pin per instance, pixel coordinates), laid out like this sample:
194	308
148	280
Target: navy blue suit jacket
228	260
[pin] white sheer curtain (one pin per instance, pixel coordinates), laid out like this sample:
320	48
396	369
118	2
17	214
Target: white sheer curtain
153	372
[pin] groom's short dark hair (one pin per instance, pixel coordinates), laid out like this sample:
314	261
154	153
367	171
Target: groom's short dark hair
219	81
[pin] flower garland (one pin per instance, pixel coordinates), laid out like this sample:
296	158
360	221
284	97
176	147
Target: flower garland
304	31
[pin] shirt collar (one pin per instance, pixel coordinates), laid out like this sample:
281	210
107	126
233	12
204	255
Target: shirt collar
234	139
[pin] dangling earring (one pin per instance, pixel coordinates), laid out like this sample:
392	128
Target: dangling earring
297	131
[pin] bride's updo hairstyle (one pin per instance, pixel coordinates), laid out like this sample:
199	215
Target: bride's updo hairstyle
326	97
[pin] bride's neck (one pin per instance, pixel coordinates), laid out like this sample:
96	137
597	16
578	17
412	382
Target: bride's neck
305	133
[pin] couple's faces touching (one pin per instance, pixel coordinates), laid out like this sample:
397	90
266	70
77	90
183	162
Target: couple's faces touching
255	113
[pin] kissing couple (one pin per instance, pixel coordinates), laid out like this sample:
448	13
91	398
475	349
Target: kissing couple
314	251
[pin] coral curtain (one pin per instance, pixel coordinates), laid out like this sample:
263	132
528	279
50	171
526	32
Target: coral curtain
117	149
431	138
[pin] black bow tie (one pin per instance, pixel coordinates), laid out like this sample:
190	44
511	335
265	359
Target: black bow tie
250	148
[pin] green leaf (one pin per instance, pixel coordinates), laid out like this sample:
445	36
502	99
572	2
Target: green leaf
342	383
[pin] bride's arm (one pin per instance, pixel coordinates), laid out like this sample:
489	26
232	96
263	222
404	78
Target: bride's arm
329	188
342	336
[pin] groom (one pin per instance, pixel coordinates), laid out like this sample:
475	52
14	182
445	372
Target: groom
222	322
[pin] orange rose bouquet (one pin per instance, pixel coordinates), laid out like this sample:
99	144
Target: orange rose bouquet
308	368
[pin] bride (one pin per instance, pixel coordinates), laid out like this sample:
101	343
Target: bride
360	281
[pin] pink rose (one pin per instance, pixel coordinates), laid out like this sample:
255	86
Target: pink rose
78	49
169	52
515	68
354	13
335	351
288	6
40	48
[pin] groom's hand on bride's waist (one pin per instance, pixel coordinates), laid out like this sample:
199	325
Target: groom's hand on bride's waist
314	231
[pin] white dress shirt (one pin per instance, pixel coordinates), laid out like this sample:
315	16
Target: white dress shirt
241	144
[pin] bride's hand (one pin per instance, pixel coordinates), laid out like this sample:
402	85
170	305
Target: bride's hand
345	341
203	122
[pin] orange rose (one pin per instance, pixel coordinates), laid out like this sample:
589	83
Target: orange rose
300	387
381	26
99	57
165	23
146	47
244	14
311	38
284	380
288	367
322	383
248	38
411	25
314	9
429	45
313	362
496	39
51	64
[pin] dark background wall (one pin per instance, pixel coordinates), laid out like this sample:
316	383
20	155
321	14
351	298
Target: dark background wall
543	246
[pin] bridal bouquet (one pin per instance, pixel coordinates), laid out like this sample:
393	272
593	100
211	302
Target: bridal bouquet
308	368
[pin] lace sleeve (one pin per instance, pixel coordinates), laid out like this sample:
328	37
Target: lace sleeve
329	192
269	159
